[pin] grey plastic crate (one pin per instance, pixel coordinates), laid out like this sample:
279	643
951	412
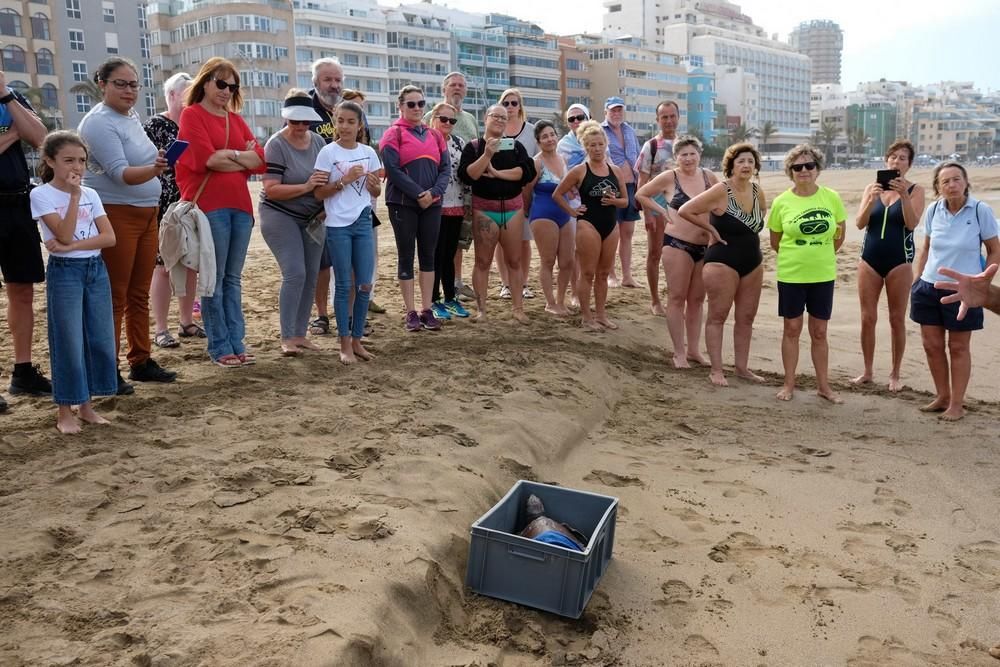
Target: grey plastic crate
544	576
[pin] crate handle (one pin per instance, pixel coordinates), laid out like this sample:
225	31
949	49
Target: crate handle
530	555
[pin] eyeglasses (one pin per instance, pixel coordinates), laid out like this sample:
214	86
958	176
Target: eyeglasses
446	119
298	122
122	84
511	103
576	119
496	116
410	104
805	165
222	85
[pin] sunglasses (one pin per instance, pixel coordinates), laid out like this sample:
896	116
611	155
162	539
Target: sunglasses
511	103
222	85
122	84
299	122
806	165
410	104
576	119
446	120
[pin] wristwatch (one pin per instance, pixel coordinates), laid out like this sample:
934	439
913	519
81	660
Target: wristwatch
8	98
236	156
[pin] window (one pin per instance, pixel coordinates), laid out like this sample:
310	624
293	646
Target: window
50	96
82	103
76	40
108	9
147	75
10	23
44	62
142	17
79	70
144	45
40	26
13	59
150	105
73	10
111	41
280	52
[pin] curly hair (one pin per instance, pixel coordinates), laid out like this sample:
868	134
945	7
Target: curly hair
803	149
734	152
589	128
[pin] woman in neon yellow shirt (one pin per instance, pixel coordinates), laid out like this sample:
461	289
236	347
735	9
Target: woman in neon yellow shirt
807	229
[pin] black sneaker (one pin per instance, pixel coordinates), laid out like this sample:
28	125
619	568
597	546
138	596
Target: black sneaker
124	388
30	381
150	371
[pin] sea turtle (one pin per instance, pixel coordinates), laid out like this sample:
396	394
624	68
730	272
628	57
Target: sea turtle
538	524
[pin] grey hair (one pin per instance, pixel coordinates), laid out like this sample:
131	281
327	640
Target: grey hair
449	75
325	61
175	84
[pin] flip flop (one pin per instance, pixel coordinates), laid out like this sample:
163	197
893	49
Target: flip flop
228	361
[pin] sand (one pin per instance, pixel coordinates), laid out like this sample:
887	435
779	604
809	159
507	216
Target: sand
300	512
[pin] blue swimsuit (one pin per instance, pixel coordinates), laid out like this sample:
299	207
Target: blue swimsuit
542	204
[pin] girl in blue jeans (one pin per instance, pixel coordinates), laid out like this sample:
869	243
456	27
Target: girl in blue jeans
81	325
352	170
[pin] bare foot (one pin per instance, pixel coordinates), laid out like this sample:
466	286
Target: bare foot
747	374
480	316
995	652
67	423
591	324
613	281
718	378
657	309
348	358
785	394
937	405
360	352
307	345
289	350
557	310
952	414
606	323
680	361
829	395
696	358
520	316
864	378
88	415
629	282
574	302
895	384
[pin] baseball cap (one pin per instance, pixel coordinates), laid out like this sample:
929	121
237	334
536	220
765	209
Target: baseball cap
614	102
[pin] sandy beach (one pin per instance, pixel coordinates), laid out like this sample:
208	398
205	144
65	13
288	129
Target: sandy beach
300	512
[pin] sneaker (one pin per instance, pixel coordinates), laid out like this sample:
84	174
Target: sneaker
428	321
413	321
124	388
527	293
150	371
465	293
29	380
455	308
440	311
504	292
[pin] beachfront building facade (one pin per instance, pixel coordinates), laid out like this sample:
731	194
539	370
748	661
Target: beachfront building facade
823	42
871	128
534	65
419	49
701	98
481	54
576	79
30	56
256	35
968	131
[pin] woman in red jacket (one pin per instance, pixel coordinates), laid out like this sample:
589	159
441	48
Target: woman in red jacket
220	158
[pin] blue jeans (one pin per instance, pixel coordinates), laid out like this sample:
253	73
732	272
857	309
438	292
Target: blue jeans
352	251
222	313
81	330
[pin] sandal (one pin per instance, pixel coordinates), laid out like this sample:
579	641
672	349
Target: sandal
165	340
247	359
228	361
320	326
191	331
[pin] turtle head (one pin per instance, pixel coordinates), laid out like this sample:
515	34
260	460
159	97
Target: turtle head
534	507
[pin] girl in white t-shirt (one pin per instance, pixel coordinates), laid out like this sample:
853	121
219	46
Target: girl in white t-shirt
353	180
81	325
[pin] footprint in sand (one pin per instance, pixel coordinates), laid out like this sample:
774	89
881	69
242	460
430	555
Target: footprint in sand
676	601
647	539
886	497
613	479
735	488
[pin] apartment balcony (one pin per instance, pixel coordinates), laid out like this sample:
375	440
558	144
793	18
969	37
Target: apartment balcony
428	51
498	84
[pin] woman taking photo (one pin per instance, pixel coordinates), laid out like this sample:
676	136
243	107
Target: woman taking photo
162	131
733	271
807	230
601	192
956	226
287	205
122	168
417	169
213	171
444	117
684	246
888	217
350	171
554	235
497	169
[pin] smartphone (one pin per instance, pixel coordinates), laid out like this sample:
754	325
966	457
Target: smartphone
885	176
507	144
174	151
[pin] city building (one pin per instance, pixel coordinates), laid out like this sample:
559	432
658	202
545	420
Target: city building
419	48
945	130
738	92
29	56
823	42
723	36
871	128
534	59
576	80
701	98
256	35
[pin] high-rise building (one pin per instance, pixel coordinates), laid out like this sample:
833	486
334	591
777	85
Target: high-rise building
823	42
723	36
534	65
576	81
30	56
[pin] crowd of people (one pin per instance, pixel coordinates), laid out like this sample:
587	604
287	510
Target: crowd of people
125	225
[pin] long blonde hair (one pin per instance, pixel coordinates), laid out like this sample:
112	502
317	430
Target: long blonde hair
522	115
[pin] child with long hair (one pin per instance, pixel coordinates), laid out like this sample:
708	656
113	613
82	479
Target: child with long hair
74	228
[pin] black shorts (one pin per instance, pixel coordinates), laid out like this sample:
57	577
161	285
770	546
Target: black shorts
795	298
926	309
20	243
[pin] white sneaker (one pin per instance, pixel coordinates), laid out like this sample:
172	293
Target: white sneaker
527	293
504	292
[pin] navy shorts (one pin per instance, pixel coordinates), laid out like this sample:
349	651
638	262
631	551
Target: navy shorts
796	298
926	308
20	242
630	213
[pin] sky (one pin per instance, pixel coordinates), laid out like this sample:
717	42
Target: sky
919	41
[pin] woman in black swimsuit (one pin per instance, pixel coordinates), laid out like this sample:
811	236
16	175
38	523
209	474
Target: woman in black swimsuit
601	191
733	270
888	218
684	246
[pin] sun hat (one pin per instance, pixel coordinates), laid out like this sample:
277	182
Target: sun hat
300	108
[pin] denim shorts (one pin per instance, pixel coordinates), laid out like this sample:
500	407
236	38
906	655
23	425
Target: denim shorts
926	309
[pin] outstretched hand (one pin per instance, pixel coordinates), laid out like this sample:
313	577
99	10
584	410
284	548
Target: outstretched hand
971	291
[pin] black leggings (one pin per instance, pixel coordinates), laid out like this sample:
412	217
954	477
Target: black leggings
412	224
444	260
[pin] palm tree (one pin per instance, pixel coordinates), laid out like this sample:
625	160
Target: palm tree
767	130
856	141
742	133
560	122
827	137
37	100
88	88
